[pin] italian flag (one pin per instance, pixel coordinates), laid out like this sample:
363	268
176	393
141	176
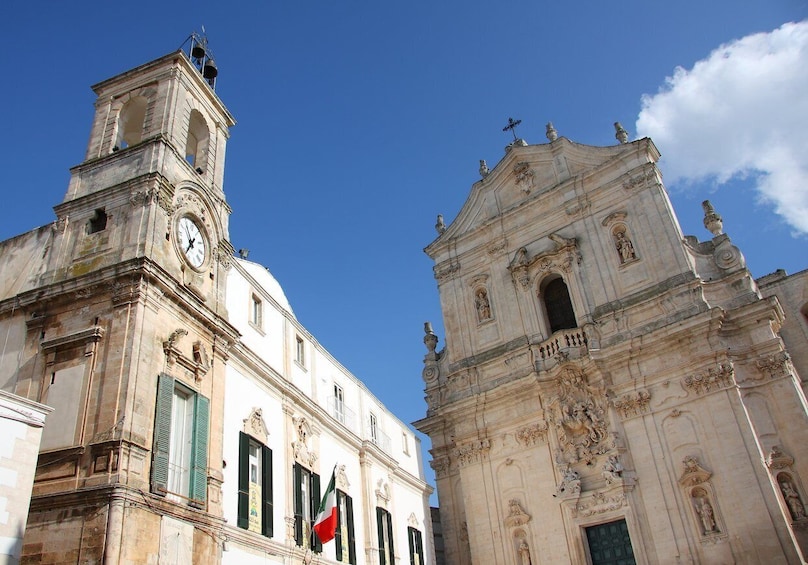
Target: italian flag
326	522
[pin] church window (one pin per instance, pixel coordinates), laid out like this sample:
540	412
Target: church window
98	222
558	305
344	535
254	486
197	141
384	528
300	351
307	501
131	122
180	452
416	546
256	312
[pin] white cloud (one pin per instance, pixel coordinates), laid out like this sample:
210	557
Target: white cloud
742	111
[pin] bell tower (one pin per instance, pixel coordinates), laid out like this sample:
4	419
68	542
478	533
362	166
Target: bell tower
126	330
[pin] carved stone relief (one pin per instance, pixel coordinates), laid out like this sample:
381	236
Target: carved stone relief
471	452
532	434
446	270
342	479
255	426
441	467
599	503
633	403
516	514
578	412
382	493
525	177
561	257
774	366
300	447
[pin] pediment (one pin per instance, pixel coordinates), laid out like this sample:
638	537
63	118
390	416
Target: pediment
527	172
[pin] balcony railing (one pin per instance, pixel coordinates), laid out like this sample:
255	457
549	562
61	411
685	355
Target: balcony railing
563	344
341	413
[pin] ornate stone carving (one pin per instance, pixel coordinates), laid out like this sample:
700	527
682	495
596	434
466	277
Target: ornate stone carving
570	484
551	132
620	134
446	270
431	370
777	459
342	479
775	366
600	503
255	426
645	178
471	452
516	515
440	225
441	466
144	197
524	176
633	403
623	245
694	474
713	378
562	257
223	253
382	493
618	216
712	220
173	340
300	447
612	470
533	434
61	223
578	412
484	170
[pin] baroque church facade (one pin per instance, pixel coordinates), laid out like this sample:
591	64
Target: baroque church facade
611	391
194	420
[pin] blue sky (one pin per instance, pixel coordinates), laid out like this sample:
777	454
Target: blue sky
359	122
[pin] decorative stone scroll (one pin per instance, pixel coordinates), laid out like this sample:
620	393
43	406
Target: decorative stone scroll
198	364
632	404
777	459
382	493
472	452
714	378
561	258
516	514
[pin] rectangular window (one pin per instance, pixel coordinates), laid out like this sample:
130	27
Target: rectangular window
256	312
254	486
307	502
384	527
405	443
416	546
344	535
300	351
339	403
180	449
374	429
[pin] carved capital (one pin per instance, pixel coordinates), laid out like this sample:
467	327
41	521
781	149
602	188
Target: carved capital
472	452
714	378
533	434
633	403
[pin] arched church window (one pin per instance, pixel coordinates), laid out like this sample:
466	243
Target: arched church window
557	305
130	122
197	142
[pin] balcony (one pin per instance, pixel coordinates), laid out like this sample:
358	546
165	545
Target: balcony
561	346
341	413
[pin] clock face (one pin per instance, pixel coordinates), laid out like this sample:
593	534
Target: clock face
192	242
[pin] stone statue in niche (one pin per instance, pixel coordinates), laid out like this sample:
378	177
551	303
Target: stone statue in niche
524	553
482	305
795	505
624	247
705	512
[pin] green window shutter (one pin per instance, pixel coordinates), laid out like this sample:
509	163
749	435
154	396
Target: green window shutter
351	542
316	545
297	473
338	532
266	492
199	452
380	531
243	520
419	545
162	433
411	541
390	538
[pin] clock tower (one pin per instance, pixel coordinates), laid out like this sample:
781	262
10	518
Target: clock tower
123	327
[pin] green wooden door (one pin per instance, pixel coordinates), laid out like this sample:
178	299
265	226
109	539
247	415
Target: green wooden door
609	544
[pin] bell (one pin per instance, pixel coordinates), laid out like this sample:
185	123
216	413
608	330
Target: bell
198	51
210	71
